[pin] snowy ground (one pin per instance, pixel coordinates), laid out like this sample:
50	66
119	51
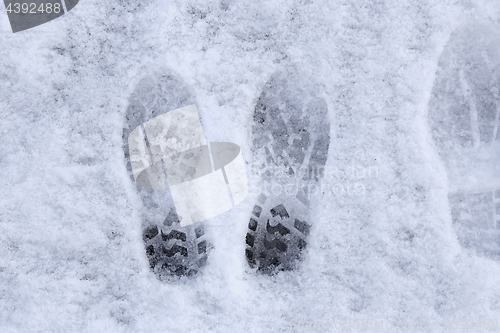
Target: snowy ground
72	258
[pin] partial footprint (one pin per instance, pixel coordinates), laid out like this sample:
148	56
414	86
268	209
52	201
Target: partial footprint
464	112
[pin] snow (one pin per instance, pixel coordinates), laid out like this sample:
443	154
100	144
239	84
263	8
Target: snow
72	254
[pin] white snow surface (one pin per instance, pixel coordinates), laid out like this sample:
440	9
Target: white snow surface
72	257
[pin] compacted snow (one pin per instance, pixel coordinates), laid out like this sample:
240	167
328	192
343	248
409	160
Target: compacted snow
388	242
